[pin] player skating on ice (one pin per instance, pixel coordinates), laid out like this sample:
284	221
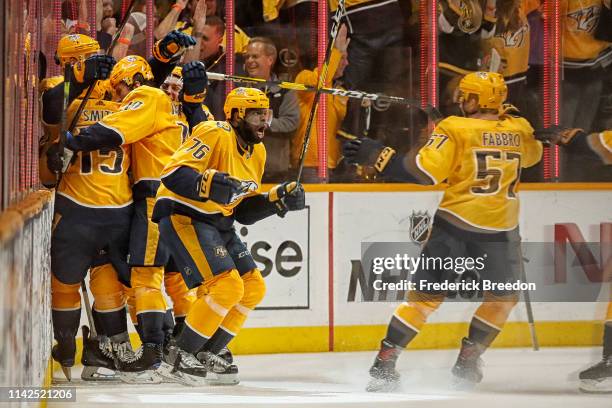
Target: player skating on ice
214	179
480	156
186	88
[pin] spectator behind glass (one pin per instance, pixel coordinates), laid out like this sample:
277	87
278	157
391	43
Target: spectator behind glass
508	50
105	35
584	59
462	25
259	61
375	53
108	8
336	110
138	19
182	17
209	50
586	66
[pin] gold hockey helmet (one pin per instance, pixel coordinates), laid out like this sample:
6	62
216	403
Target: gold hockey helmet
127	68
490	88
75	47
243	99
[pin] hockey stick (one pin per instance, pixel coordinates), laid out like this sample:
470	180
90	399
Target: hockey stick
90	319
340	12
79	111
432	113
63	118
530	319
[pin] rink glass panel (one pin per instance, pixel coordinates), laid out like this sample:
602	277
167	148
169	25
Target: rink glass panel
20	45
403	49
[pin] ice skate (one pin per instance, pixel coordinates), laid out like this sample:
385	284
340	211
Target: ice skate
468	368
220	371
226	354
385	377
96	363
182	367
143	368
63	352
598	378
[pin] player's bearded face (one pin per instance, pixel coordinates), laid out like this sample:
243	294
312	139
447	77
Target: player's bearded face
254	125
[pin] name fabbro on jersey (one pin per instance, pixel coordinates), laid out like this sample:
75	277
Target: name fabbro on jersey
501	139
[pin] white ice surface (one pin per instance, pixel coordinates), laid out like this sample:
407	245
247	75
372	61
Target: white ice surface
517	378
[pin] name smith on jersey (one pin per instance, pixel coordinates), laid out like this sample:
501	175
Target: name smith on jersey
95	115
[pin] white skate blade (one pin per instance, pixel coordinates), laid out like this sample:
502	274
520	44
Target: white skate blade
222	379
141	377
167	371
601	386
67	372
91	373
382	385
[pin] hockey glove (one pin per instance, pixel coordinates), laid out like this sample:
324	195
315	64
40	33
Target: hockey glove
195	82
367	152
558	135
172	46
58	160
219	187
96	67
288	196
509	109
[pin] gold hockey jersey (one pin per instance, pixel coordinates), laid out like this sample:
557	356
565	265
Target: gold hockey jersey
98	179
214	145
154	127
336	111
513	48
580	47
481	161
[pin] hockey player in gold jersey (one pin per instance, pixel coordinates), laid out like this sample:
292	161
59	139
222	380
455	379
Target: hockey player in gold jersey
80	51
214	179
480	156
97	189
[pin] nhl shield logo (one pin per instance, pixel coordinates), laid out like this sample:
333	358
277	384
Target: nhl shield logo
419	226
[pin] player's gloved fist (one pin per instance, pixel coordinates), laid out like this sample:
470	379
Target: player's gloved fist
195	82
219	187
288	196
558	135
59	159
367	152
509	109
295	199
172	46
567	136
93	68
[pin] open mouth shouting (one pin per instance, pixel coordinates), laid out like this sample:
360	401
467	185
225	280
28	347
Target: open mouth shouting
258	121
